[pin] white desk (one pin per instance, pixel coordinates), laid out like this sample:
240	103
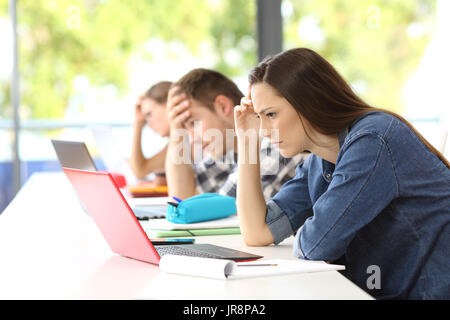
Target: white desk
50	249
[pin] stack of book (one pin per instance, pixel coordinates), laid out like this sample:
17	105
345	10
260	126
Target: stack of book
147	190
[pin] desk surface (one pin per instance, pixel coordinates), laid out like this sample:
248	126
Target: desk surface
51	249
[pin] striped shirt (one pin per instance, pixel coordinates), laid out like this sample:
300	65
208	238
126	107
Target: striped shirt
220	176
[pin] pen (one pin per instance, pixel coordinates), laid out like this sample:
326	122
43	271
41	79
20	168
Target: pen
172	240
258	265
173	203
177	199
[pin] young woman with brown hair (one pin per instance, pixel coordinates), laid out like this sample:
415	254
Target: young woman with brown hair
374	194
150	110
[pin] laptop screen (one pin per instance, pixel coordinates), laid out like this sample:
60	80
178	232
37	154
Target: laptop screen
112	215
74	154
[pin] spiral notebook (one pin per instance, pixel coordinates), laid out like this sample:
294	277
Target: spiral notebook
227	269
164	228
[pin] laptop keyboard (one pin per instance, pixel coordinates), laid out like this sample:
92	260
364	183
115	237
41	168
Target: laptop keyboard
182	251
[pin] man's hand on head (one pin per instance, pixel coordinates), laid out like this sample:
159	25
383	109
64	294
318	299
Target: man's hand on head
177	108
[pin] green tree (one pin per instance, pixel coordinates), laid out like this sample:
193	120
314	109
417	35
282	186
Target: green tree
61	39
368	41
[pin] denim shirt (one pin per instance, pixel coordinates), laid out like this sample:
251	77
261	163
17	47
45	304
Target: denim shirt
383	210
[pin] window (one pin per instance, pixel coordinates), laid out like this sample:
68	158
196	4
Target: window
393	53
85	62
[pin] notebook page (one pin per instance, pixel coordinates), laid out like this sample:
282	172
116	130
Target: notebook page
163	224
280	266
194	266
227	269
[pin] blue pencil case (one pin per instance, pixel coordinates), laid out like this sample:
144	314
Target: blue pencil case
202	207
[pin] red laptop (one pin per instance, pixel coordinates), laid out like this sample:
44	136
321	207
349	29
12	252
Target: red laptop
119	226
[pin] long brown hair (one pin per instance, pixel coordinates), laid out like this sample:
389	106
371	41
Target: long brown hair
318	92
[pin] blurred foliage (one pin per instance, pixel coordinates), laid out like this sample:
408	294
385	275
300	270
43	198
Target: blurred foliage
368	41
62	39
375	44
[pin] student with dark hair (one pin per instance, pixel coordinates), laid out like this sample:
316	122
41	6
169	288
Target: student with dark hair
150	110
207	98
374	195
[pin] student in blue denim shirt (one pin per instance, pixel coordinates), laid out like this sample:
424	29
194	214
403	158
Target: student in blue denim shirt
373	195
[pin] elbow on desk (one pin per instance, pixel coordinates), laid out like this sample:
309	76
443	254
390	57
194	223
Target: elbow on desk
139	174
252	243
255	236
256	241
321	253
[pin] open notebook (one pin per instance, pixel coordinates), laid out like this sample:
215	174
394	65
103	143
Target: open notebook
163	224
227	269
160	228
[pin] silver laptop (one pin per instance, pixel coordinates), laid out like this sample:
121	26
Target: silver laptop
75	155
